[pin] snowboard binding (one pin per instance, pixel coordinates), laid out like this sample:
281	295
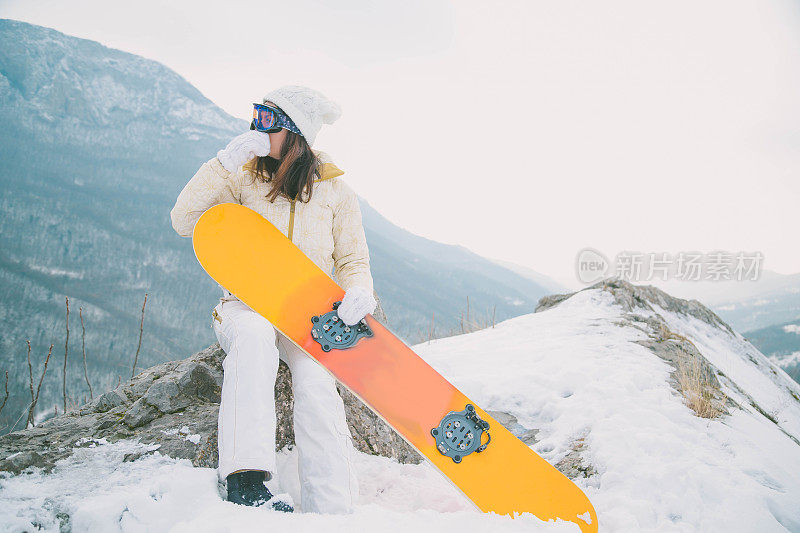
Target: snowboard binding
331	332
460	433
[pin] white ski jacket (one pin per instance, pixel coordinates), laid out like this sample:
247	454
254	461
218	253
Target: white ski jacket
328	229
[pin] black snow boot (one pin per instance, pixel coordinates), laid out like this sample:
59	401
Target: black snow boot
248	488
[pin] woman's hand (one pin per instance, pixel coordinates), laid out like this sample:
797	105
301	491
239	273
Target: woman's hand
243	148
357	302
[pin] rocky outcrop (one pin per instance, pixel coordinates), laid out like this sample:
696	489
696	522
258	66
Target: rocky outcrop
176	404
641	305
636	298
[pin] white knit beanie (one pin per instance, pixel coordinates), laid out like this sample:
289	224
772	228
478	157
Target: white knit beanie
308	109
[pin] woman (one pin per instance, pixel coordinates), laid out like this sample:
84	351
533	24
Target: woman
273	170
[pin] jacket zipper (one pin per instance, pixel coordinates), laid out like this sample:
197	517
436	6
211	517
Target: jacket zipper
291	220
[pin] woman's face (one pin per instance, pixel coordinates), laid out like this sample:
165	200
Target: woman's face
275	139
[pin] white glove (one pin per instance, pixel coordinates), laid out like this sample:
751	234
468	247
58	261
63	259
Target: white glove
357	302
243	148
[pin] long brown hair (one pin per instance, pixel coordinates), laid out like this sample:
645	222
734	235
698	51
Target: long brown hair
292	175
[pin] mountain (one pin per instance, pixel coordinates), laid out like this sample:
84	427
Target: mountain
662	413
549	284
421	281
781	343
723	291
96	144
767	310
747	304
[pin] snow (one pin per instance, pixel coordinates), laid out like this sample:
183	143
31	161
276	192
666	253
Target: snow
571	371
184	432
743	364
57	271
787	360
574	371
792	328
92	442
157	493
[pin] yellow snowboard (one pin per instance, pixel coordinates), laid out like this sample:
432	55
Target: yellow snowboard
495	470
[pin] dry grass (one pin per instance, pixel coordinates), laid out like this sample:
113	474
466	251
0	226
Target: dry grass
699	393
466	322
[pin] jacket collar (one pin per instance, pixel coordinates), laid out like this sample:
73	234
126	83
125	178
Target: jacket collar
327	168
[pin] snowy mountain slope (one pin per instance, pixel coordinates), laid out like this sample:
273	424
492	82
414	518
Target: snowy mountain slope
579	371
62	90
751	380
592	375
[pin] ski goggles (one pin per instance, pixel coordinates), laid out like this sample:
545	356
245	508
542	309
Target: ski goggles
271	119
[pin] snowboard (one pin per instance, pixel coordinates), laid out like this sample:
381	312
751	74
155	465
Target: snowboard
497	472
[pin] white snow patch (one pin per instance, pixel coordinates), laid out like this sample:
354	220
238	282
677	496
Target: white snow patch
57	271
93	442
184	432
786	361
157	493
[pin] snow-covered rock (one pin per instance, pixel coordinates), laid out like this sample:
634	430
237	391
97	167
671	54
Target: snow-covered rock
608	383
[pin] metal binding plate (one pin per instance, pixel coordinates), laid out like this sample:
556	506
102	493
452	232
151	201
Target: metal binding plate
331	332
460	433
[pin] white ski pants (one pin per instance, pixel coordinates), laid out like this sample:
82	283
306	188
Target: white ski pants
246	424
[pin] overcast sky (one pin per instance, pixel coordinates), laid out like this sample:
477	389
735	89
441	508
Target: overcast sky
524	131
